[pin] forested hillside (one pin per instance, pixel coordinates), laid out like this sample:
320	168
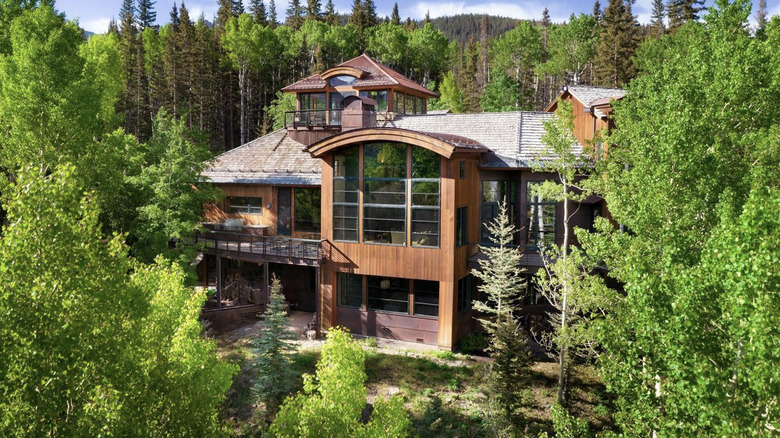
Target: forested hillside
224	79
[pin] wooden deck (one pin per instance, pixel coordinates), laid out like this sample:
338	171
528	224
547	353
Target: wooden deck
257	248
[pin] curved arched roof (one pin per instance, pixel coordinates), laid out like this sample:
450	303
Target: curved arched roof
443	144
342	70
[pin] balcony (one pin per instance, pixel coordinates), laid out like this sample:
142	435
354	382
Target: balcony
259	248
313	119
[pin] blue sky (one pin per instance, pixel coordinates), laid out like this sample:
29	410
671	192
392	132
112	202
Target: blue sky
94	16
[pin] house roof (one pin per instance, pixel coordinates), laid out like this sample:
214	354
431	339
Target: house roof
373	75
508	140
273	159
591	97
513	139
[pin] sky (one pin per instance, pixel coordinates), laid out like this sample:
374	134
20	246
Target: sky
94	16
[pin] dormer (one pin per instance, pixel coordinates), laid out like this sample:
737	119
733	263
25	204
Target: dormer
320	97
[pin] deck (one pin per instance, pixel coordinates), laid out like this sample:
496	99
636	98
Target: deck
258	248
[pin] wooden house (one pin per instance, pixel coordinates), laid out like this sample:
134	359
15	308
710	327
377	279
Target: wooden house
402	199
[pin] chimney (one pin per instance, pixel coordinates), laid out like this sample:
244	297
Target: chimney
359	112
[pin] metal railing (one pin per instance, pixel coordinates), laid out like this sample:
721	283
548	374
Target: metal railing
276	249
312	118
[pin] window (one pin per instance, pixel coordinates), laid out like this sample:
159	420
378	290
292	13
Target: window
426	298
493	194
380	96
464	294
462	170
540	219
410	105
350	290
311	101
387	294
341	80
307	210
426	168
461	226
245	205
384	193
345	195
399	99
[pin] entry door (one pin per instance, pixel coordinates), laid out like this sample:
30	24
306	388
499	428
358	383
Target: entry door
284	211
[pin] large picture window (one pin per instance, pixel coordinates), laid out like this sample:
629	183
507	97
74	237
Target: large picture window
307	210
245	204
426	298
350	290
426	169
540	219
493	194
380	96
345	195
384	193
388	294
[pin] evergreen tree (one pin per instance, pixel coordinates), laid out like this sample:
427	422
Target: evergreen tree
501	291
258	12
657	18
224	13
331	17
127	10
597	11
146	14
238	7
272	351
313	10
370	11
272	19
358	17
395	18
294	14
619	39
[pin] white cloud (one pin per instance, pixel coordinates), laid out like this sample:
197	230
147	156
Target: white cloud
513	10
96	25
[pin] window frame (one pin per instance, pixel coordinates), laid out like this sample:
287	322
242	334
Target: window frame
539	203
316	220
461	226
343	279
347	204
504	185
253	208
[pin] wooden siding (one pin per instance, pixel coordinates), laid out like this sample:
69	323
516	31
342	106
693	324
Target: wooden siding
220	211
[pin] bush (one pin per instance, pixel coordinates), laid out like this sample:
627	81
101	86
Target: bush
473	343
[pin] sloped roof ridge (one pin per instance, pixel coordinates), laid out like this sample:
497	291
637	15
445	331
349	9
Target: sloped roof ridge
381	67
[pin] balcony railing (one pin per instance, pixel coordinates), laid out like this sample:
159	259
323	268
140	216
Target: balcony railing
312	118
275	249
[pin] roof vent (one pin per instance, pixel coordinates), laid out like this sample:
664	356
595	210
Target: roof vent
359	112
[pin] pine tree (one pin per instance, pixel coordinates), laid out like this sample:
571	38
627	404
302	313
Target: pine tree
146	14
331	17
272	351
272	19
113	27
370	11
395	18
127	10
501	291
258	12
313	10
358	17
294	14
619	40
238	7
657	18
597	11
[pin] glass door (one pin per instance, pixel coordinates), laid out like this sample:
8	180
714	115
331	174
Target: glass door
284	211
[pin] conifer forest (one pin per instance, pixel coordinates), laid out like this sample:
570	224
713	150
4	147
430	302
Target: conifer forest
661	315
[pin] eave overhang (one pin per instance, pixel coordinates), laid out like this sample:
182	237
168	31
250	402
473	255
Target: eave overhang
442	144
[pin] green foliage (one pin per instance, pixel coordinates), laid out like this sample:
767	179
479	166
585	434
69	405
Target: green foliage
617	45
473	342
567	426
170	191
515	54
694	177
284	102
571	48
500	94
81	335
272	353
332	404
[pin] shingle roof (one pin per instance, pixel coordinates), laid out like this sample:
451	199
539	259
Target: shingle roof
587	95
513	138
274	159
375	75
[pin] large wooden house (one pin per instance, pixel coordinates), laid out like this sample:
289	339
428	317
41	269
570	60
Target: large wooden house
370	209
